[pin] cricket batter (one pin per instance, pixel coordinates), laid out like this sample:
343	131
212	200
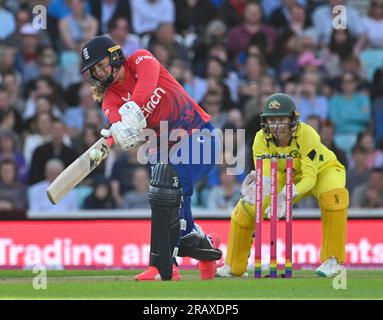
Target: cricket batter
317	172
137	92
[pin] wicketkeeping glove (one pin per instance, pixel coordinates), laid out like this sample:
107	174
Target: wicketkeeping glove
281	203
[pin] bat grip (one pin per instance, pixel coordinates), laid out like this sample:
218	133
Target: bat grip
110	141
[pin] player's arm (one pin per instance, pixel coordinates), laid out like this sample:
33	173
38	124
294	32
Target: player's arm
127	123
147	68
259	149
310	145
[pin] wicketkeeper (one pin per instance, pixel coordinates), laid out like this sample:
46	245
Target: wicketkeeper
317	172
137	92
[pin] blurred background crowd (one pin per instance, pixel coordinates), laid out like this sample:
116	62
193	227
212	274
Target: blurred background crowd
228	54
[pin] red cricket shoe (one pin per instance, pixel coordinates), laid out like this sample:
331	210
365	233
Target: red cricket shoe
152	274
208	269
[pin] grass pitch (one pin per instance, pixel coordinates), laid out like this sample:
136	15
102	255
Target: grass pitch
113	284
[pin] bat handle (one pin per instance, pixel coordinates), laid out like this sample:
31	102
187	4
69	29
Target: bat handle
110	141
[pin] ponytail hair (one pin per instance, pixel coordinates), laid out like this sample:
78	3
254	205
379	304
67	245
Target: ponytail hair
98	93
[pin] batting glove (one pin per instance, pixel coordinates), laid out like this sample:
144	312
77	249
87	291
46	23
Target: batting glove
125	137
132	116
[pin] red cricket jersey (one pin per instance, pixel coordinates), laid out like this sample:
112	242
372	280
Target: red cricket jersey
158	94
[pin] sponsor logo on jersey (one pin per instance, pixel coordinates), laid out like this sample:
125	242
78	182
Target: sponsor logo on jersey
153	102
126	99
140	58
106	112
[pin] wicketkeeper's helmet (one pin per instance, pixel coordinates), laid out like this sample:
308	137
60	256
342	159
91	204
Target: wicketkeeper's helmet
97	49
279	105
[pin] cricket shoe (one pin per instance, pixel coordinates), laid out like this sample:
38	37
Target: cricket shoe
206	268
328	269
152	274
225	271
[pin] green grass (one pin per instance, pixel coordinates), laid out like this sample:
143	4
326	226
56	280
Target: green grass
119	284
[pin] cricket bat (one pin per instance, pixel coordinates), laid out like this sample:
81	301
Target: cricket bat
79	169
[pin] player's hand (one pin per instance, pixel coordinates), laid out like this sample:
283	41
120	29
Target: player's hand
248	188
281	203
132	116
125	137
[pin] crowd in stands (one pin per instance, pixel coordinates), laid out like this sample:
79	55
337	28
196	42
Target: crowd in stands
228	54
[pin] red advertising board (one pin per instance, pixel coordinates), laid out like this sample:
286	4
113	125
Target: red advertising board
125	243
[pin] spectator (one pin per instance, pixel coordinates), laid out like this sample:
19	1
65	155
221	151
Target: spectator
287	15
37	193
323	20
227	194
326	133
76	27
89	136
122	173
39	134
373	156
53	149
239	37
47	64
215	34
286	54
12	84
370	195
7	59
74	116
308	62
373	26
358	172
212	103
106	11
255	68
148	15
192	16
314	121
341	47
9	151
101	197
138	197
164	53
217	69
7	22
300	22
74	30
26	57
46	88
119	31
61	8
309	100
182	74
10	120
232	12
349	111
376	89
13	194
166	36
